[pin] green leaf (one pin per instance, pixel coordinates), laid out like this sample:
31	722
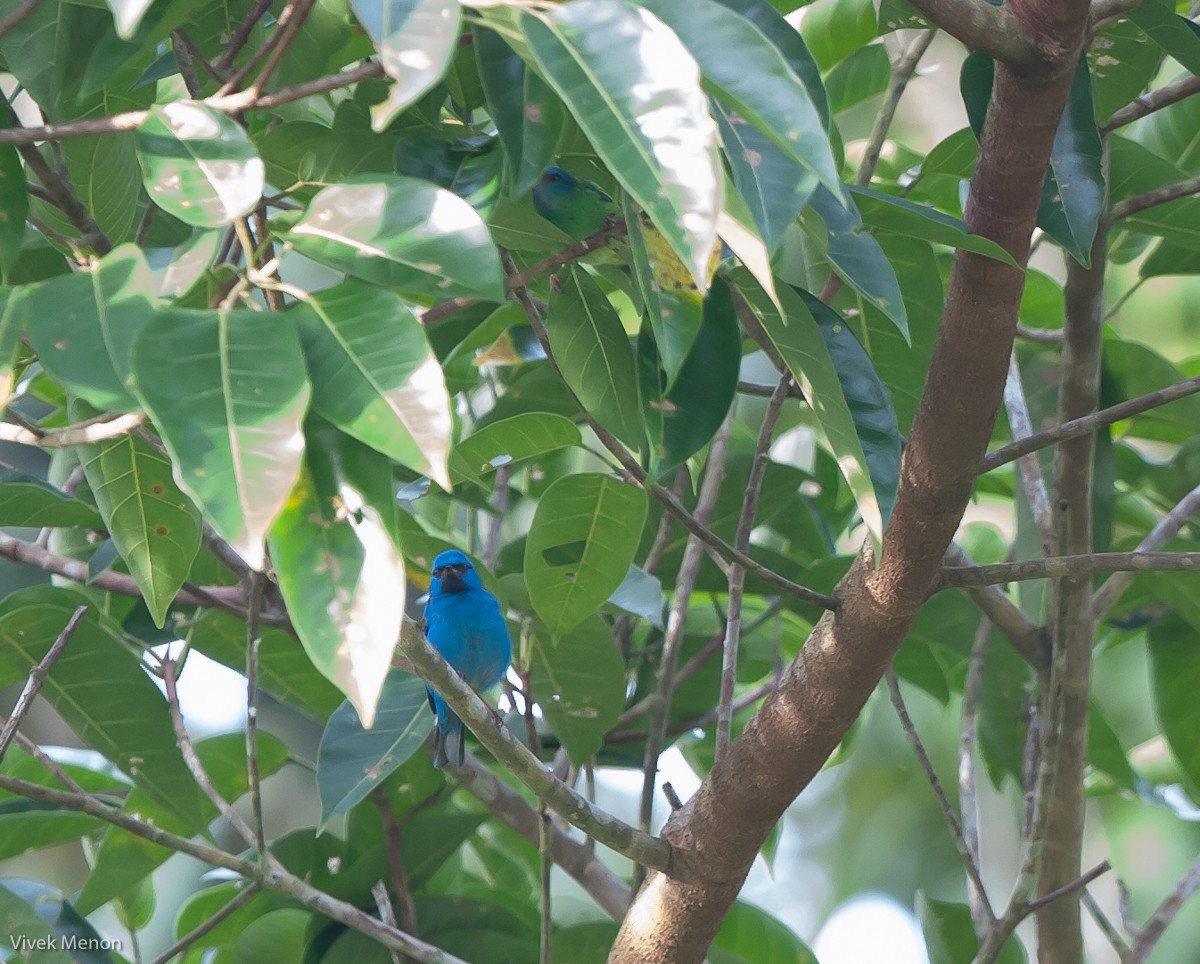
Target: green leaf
1122	60
774	186
640	594
28	826
401	233
199	164
510	441
896	215
352	761
1176	35
760	86
416	40
902	364
83	325
152	523
26	500
635	91
749	934
581	544
681	421
954	155
277	936
528	116
105	696
227	391
298	151
10	340
1104	750
950	935
868	400
343	581
1073	194
1175	672
1134	169
578	679
834	29
801	344
21	920
374	376
593	353
861	76
14	204
857	257
789	42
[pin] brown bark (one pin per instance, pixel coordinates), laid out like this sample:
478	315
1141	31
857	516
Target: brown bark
718	833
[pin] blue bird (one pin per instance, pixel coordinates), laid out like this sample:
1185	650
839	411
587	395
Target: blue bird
464	623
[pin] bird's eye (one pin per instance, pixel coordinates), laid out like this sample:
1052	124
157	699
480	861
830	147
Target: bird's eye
438	571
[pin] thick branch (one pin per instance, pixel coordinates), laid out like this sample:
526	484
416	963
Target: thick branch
979	26
577	859
718	833
1073	626
485	724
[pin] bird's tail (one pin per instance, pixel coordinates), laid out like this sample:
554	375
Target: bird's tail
449	741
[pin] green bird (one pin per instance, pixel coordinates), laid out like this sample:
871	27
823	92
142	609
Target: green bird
575	207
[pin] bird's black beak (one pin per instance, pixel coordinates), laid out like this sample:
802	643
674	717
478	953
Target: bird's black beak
451	578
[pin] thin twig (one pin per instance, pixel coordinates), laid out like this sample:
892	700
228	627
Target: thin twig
238	901
761	691
1156	100
902	73
546	944
968	791
1057	567
1069	888
960	842
1161	919
239	37
1102	921
1045	336
285	32
1104	598
94	430
710	488
254	600
1160	195
37	676
737	575
387	915
396	866
195	767
1089	423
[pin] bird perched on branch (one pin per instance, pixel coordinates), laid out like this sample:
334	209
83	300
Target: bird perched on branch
464	623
